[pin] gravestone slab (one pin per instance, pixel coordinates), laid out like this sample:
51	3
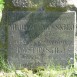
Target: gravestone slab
40	38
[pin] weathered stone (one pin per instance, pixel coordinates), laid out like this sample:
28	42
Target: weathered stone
28	4
56	3
40	38
3	42
21	4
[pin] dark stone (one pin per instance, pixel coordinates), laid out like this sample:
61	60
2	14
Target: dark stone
3	36
40	38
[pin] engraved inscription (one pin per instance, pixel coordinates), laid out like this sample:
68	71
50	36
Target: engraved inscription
17	27
64	27
44	37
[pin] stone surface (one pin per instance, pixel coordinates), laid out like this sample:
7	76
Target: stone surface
75	44
20	4
56	3
3	47
40	38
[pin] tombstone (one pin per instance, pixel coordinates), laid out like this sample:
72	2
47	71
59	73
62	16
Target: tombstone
40	38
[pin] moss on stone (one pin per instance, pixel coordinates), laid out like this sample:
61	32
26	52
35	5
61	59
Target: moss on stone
56	9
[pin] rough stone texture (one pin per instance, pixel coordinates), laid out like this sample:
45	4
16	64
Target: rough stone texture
75	9
20	4
40	38
56	3
2	39
3	48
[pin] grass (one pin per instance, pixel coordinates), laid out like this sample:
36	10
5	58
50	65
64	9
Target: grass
50	71
46	72
1	5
